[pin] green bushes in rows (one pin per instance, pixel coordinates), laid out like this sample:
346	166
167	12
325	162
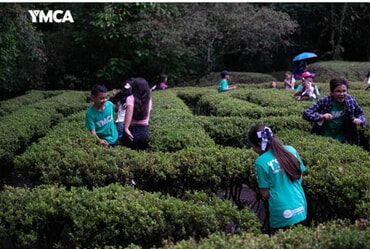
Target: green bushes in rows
224	105
19	128
207	169
11	105
233	131
273	98
172	125
338	175
192	95
52	217
70	156
333	235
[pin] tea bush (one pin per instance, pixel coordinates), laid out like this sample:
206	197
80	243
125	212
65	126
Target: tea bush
70	156
173	127
21	127
333	235
233	131
198	143
50	217
11	105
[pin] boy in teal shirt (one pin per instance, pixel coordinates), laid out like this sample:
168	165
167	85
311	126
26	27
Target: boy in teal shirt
100	117
224	85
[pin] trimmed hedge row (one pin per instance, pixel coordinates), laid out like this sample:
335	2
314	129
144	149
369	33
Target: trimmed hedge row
341	172
11	105
273	98
333	235
173	126
23	126
336	181
225	105
69	155
52	217
233	131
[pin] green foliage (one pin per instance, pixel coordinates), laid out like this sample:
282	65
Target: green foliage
225	105
173	127
21	57
233	131
113	215
337	234
11	105
21	127
70	156
326	70
183	157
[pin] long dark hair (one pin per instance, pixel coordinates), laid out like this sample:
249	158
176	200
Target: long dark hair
287	161
141	92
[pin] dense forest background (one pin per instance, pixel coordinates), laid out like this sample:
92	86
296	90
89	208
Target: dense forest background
109	42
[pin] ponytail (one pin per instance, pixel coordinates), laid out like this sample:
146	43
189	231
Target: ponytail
261	135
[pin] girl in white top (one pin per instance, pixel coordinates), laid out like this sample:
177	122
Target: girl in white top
289	81
119	101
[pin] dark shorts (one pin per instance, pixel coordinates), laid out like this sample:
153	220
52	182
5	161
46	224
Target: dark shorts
141	138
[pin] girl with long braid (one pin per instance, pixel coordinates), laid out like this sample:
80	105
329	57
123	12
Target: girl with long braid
279	171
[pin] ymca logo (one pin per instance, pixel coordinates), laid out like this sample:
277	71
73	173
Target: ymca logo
58	16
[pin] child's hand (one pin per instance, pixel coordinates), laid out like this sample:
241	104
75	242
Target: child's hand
129	134
104	142
357	121
326	116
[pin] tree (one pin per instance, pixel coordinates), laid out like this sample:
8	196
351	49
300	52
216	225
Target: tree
183	39
22	59
331	29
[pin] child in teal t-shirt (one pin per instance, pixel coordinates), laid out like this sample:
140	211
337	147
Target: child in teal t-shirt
100	117
279	175
224	85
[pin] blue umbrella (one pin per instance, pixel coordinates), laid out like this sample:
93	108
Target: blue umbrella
305	55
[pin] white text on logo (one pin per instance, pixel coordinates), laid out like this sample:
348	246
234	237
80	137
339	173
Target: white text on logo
57	16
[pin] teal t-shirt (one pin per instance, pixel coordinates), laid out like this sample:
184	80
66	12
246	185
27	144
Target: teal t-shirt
334	127
223	85
287	201
102	122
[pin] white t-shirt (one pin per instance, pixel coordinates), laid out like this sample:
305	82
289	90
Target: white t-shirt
121	113
287	87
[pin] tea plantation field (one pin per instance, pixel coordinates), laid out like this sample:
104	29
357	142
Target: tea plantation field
194	187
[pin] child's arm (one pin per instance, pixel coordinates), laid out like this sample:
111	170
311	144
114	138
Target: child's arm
230	88
100	140
265	192
128	120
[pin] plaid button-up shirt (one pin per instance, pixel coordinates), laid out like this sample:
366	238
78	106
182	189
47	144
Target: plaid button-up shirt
352	110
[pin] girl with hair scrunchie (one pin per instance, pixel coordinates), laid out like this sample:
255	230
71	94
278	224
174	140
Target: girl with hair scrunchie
138	109
279	170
